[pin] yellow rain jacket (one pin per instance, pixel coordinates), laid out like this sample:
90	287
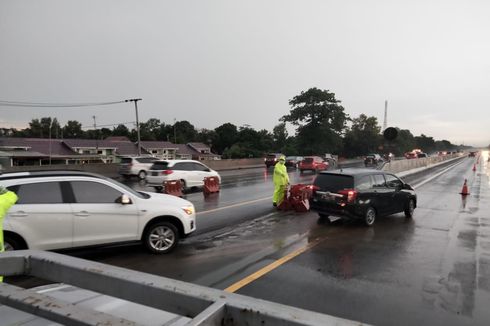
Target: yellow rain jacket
281	180
7	199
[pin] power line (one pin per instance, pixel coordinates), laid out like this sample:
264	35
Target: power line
55	105
110	125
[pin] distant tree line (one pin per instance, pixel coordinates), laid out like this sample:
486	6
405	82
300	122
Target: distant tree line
322	126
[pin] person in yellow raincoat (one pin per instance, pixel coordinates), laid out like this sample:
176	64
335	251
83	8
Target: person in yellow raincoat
7	199
281	181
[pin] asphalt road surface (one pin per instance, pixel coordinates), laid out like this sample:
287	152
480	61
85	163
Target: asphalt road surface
433	269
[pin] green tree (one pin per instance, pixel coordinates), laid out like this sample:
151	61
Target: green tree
404	142
120	130
72	129
150	129
320	121
280	135
426	144
363	137
185	132
226	136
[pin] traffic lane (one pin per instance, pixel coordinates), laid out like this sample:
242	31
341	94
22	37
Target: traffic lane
432	269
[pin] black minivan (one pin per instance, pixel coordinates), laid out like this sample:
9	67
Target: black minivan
361	194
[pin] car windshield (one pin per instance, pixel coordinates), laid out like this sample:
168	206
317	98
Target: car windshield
308	159
126	160
334	182
159	166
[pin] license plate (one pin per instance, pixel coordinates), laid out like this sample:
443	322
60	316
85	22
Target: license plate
154	173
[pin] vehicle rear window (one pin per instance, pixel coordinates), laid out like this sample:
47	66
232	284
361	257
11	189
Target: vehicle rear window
271	156
334	182
126	160
308	159
160	166
145	159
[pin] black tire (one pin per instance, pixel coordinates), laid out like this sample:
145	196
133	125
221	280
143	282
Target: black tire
142	175
158	189
410	208
183	186
370	216
161	238
12	243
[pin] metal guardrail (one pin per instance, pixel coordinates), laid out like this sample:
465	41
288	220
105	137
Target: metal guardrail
205	306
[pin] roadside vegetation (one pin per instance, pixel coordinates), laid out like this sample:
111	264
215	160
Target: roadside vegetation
322	126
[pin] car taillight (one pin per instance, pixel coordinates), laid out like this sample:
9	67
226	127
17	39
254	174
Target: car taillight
313	188
351	194
166	172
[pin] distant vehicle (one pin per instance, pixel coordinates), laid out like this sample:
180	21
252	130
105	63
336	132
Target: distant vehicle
388	157
190	173
136	166
68	209
410	155
313	163
293	161
272	159
331	159
472	154
422	155
372	160
361	194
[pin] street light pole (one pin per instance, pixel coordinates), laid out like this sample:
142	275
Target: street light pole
135	100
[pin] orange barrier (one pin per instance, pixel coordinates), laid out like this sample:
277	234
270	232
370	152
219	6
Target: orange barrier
464	191
211	185
173	187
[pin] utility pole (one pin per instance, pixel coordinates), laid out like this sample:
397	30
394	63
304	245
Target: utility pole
385	122
49	140
175	132
135	100
96	137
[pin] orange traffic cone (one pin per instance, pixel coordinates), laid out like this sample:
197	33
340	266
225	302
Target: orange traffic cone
464	191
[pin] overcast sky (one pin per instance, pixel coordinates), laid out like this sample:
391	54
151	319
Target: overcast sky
212	62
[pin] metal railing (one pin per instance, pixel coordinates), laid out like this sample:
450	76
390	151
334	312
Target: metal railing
203	305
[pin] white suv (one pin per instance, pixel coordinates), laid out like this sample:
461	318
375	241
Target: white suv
190	173
67	209
136	166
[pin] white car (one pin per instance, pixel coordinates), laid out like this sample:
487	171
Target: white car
136	166
68	209
190	173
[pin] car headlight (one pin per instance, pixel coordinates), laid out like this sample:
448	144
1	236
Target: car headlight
188	209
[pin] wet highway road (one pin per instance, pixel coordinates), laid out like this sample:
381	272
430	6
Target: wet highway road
433	269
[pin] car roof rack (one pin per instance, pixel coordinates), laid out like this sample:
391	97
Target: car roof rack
203	305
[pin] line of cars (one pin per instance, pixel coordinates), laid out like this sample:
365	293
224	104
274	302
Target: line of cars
306	163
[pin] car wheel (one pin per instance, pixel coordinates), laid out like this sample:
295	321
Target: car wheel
370	216
410	208
142	175
161	238
158	189
183	186
10	244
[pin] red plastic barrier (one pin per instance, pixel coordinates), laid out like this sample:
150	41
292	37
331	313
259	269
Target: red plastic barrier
173	187
211	185
297	198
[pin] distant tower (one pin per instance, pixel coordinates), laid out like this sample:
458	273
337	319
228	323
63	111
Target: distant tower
385	122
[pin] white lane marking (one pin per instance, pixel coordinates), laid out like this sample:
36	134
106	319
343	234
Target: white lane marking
234	205
436	175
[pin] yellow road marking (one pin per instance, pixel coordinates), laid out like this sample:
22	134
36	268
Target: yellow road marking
261	272
234	205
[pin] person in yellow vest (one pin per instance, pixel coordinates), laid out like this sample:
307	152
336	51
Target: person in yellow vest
7	199
280	179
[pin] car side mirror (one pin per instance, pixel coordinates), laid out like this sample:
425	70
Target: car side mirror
124	200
